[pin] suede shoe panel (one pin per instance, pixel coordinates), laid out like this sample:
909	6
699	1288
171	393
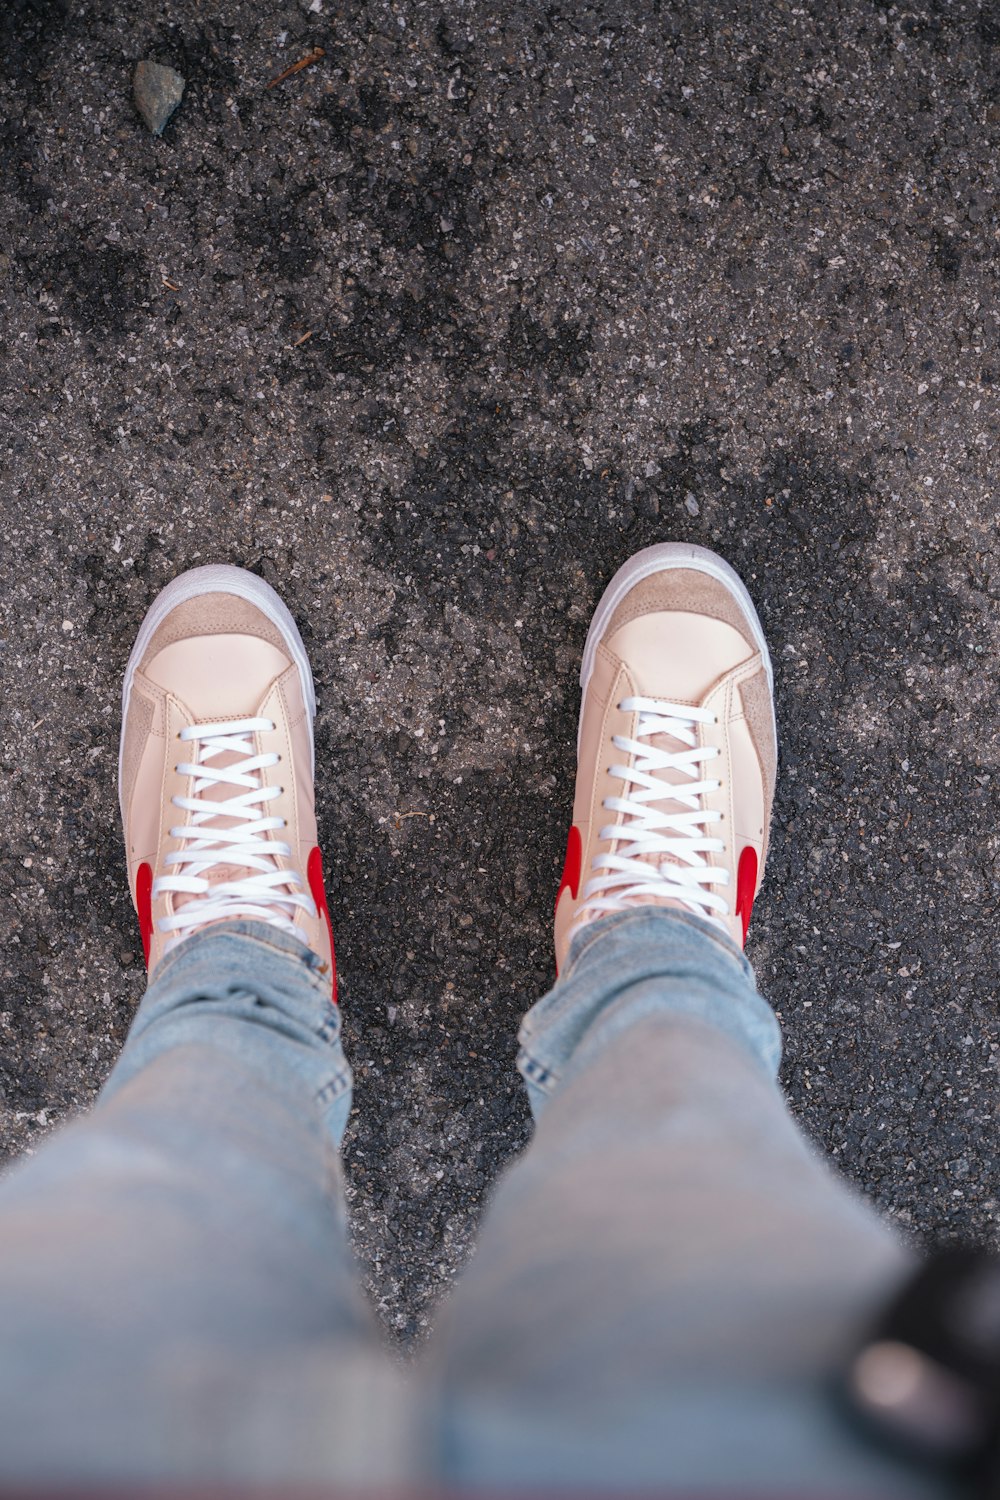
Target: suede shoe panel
213	614
682	590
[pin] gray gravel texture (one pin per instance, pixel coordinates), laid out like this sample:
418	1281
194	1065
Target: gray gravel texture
432	335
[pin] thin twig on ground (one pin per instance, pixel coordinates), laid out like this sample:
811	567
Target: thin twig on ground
303	62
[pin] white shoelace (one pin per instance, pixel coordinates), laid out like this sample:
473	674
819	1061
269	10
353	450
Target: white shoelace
661	849
269	895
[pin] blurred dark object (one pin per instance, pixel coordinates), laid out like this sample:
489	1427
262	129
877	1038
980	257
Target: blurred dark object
927	1380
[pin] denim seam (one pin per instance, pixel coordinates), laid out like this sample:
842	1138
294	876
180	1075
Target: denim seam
334	1088
539	1073
329	1031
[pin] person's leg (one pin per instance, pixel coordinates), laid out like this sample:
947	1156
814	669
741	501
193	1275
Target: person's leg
176	1293
176	1289
669	1279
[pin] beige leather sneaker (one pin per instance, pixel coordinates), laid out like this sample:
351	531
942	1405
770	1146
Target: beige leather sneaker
677	750
216	766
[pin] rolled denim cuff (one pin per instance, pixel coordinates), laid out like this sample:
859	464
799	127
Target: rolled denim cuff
251	990
632	965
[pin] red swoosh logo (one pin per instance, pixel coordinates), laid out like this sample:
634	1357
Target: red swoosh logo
144	907
572	865
746	886
314	875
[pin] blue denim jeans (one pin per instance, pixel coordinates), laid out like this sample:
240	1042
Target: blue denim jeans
666	1283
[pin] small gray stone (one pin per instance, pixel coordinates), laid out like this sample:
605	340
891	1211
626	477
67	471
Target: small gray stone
690	504
157	91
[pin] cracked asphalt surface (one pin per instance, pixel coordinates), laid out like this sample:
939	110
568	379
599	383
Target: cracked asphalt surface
432	335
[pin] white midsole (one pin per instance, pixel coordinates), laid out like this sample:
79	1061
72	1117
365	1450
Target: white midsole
218	578
659	559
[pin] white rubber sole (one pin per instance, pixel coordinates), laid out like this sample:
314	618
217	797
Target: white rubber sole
219	578
660	559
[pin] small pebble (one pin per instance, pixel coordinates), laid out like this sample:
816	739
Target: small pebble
690	504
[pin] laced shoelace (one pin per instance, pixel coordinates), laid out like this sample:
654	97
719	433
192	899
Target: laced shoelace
269	893
662	840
